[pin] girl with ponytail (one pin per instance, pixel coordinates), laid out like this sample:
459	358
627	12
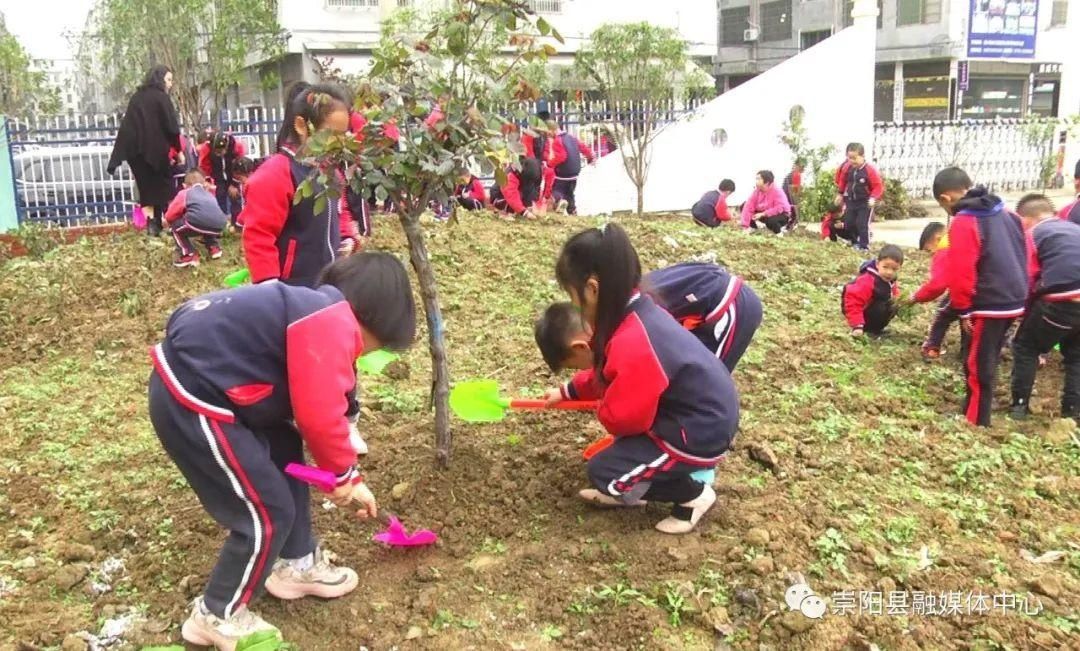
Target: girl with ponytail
667	400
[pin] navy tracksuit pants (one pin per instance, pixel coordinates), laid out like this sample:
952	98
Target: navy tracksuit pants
944	317
238	477
635	468
1046	325
981	352
857	223
730	334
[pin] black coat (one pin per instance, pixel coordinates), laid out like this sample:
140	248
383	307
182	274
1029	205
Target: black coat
149	128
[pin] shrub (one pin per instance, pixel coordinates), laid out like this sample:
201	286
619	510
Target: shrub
897	203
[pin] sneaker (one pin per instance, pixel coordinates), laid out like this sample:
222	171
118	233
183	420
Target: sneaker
684	517
207	629
215	252
323	579
931	354
1019	412
603	500
189	260
562	206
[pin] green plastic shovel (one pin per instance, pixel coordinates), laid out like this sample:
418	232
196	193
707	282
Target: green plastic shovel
238	278
374	362
478	401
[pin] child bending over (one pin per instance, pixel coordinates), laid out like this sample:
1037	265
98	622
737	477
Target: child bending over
869	301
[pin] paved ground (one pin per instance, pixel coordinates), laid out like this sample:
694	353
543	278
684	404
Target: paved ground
905	232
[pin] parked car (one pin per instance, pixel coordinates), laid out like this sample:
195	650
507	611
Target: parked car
69	185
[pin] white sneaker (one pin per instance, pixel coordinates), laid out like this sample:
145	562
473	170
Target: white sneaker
699	506
323	579
562	206
207	629
597	498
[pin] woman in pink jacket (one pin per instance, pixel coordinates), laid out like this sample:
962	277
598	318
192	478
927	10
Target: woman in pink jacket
768	206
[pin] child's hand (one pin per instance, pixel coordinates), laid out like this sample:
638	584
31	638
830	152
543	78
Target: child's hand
358	492
551	396
856	332
966	326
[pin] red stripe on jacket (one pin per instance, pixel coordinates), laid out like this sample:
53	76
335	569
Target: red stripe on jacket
937	283
267	201
321	350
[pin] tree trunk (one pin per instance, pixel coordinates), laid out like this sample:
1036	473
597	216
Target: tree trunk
440	370
640	199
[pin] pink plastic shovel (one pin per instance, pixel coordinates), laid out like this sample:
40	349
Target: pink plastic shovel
395	534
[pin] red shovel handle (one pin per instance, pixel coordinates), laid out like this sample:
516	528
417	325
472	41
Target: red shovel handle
573	405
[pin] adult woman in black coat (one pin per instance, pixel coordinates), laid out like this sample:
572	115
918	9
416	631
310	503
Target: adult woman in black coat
149	129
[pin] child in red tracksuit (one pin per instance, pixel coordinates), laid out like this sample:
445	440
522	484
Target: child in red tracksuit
860	188
869	301
711	209
987	279
832	223
287	240
216	158
566	154
195	212
936	285
244	380
667	400
521	193
470	194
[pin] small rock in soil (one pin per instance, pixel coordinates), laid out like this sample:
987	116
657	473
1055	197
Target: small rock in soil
482	562
746	597
762	565
427	574
796	622
764	455
756	537
886	585
189	585
414	632
399	490
677	554
69	576
397	370
1044	640
1047	584
735	553
74	552
425	601
74	643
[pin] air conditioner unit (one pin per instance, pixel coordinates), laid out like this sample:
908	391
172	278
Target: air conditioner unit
750	35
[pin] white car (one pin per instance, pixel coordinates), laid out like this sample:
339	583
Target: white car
68	185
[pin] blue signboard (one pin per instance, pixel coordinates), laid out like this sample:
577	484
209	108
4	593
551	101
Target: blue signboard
1002	29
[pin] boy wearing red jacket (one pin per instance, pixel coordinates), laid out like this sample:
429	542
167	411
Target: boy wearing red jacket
987	279
860	189
566	153
195	213
711	209
216	158
936	285
869	301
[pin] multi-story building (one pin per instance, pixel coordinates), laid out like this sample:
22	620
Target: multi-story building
62	74
936	59
343	33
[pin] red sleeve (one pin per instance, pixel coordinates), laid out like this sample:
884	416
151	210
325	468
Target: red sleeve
586	151
549	181
512	194
321	350
1064	212
636	380
267	201
177	207
558	152
347	223
796	180
527	143
204	159
477	192
936	284
856	297
583	386
877	186
964	249
239	150
1034	268
721	209
841	177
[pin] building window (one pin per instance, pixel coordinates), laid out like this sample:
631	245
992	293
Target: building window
546	6
1000	97
733	22
847	5
1060	13
918	12
352	4
776	21
810	39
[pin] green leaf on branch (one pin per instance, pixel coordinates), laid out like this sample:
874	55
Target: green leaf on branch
557	36
320	203
543	26
500	176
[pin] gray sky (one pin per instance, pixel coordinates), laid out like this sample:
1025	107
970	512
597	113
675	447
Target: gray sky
42	25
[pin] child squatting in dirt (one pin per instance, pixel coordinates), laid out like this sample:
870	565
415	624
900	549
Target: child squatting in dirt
668	401
242	381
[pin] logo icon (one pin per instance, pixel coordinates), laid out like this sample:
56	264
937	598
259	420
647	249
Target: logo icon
802	598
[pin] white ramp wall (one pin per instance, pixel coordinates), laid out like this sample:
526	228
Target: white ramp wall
833	82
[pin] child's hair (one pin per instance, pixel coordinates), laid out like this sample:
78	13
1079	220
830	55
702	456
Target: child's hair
242	166
219	140
194	177
313	103
856	147
930	232
1034	205
530	171
378	291
891	252
553	330
800	163
949	179
727	185
605	254
767	176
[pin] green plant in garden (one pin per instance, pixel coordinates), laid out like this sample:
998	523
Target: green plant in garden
466	64
897	203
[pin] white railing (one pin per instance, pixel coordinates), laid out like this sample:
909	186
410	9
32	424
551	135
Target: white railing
546	6
352	4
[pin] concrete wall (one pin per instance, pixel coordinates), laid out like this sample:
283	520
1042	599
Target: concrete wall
9	219
686	163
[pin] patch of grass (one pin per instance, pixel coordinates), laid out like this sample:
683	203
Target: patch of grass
493	546
550	632
901	530
832	553
673	602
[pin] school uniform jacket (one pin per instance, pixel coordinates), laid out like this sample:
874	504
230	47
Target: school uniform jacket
869	292
988	258
219	168
474	190
286	241
711	209
518	197
1054	262
659	381
199	209
265	355
937	284
1071	212
566	153
694	293
859	184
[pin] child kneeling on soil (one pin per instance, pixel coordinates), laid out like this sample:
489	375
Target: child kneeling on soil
932	239
195	211
245	378
670	403
715	305
869	301
711	209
